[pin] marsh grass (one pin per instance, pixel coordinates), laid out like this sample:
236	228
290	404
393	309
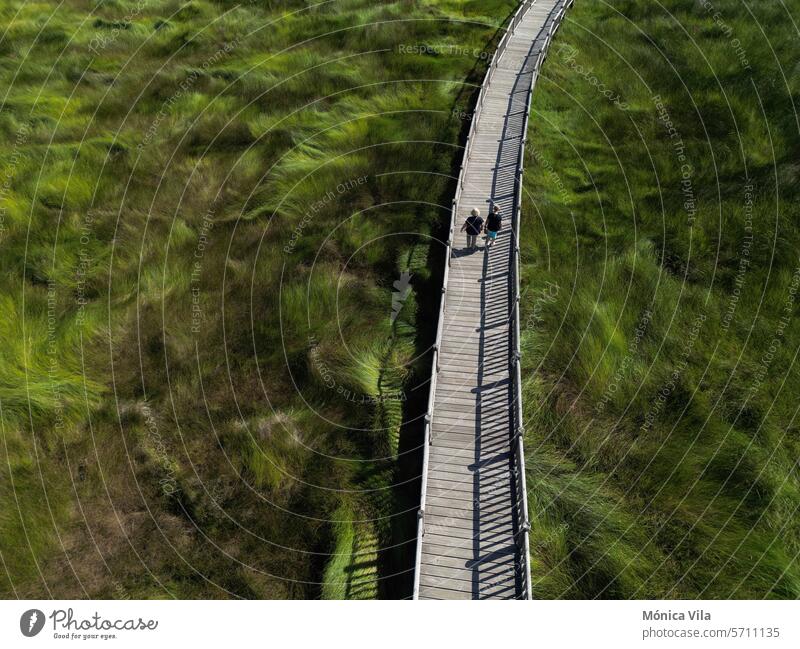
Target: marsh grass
664	463
198	369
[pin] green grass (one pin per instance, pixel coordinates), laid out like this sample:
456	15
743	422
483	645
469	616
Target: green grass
662	434
198	362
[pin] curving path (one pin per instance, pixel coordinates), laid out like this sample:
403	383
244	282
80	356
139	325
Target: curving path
473	519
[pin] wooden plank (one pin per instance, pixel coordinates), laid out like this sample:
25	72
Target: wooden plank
448	414
488	446
473	393
473	556
494	590
477	582
466	528
478	587
467	513
431	547
468	484
495	472
447	572
449	542
446	457
429	592
474	397
486	402
482	439
480	425
485	438
490	404
489	563
500	529
469	388
489	374
487	495
442	456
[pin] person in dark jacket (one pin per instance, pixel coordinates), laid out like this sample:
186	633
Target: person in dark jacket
494	224
473	225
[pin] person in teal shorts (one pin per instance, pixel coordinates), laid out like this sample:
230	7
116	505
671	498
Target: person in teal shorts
494	223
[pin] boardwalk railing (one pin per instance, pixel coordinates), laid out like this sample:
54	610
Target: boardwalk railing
519	455
517	450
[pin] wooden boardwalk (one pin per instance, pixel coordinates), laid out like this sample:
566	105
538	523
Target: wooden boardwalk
470	545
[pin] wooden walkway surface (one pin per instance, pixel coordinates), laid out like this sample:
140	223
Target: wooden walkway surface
469	547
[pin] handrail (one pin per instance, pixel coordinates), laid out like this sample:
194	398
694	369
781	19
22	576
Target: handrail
516	354
517	448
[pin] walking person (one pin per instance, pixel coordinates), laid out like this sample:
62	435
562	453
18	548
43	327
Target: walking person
473	225
494	223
